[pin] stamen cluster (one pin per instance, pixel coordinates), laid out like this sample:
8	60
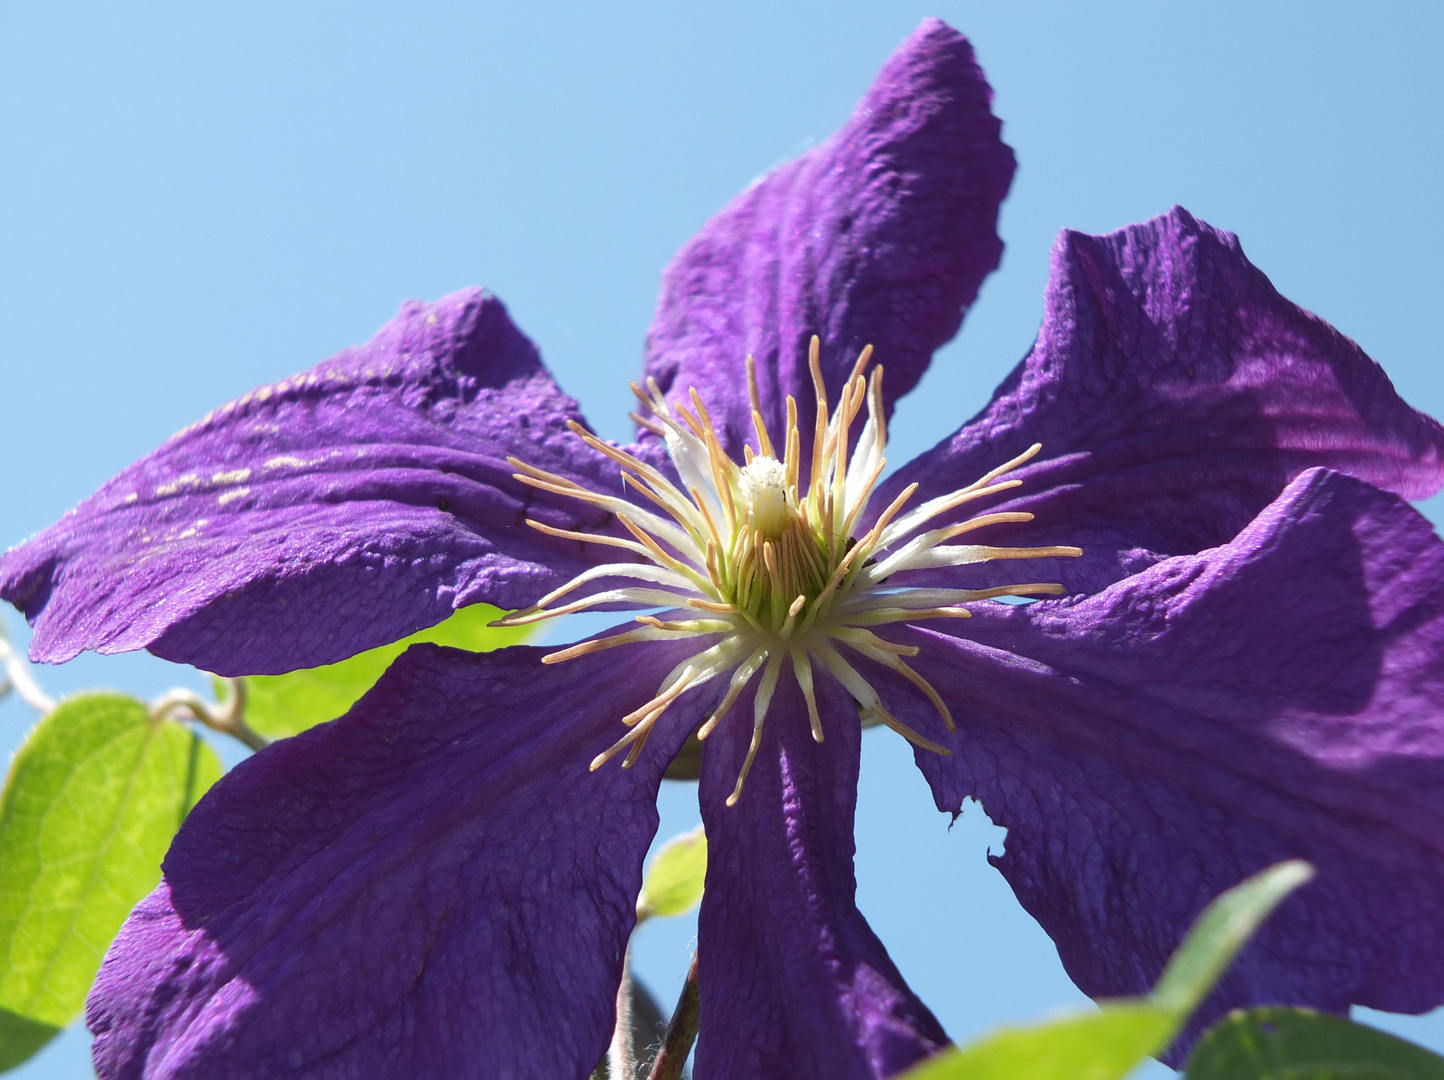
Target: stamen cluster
767	571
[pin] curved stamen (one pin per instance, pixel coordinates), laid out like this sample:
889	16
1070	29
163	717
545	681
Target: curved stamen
658	575
759	717
740	678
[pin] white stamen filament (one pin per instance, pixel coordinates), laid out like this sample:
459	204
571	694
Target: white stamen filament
765	566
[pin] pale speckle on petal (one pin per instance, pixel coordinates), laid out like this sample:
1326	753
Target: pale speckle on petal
235	476
232	495
189	480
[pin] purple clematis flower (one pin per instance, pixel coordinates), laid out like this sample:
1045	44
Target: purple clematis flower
442	882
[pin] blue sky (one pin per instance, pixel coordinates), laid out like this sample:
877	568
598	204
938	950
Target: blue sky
195	200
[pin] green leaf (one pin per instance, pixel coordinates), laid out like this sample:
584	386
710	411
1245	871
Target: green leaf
281	705
674	880
21	1039
1220	932
91	803
1112	1042
1103	1045
1300	1044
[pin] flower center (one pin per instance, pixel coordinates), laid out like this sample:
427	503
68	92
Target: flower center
775	555
768	507
764	570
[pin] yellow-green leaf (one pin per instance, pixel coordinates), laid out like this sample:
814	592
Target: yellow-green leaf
281	705
92	801
1103	1045
1112	1042
674	880
1220	932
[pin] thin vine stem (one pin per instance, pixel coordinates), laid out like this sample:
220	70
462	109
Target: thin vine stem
17	677
228	717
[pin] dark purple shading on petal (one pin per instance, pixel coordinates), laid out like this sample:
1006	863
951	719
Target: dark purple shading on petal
432	886
794	984
1175	393
326	514
880	236
1150	746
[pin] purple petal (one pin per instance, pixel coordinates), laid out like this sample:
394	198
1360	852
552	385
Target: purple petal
1175	393
328	513
1149	746
881	235
433	881
794	984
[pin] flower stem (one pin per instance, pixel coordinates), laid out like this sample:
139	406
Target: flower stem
681	1032
620	1063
